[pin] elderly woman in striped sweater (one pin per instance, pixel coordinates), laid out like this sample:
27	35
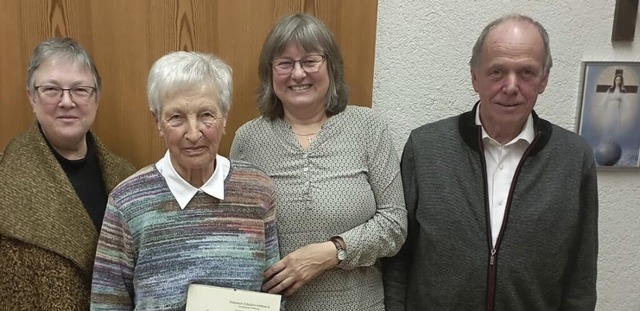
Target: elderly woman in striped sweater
194	216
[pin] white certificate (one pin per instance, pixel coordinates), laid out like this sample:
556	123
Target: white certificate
213	298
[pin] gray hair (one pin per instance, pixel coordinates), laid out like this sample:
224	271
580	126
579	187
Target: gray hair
178	70
477	48
314	36
64	49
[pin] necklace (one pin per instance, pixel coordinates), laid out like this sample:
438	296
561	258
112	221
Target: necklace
308	136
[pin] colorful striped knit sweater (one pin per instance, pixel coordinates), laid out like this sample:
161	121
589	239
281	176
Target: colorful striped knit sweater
150	250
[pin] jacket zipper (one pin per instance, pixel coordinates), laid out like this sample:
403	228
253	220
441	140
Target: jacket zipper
491	288
493	249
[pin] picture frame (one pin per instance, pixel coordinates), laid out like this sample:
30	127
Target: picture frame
609	112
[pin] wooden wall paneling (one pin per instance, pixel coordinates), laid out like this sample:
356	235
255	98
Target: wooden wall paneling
121	39
242	27
126	37
15	111
55	18
356	32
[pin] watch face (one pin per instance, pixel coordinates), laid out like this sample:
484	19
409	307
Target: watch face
342	254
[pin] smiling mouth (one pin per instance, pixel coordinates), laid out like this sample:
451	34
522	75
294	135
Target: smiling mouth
300	88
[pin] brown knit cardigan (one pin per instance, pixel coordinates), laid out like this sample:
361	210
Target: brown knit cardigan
47	239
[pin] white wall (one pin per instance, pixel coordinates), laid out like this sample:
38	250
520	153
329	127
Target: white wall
422	74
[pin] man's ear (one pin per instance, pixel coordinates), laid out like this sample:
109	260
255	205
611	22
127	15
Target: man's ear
543	83
474	79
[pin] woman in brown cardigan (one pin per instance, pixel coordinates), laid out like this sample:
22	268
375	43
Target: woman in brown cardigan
54	182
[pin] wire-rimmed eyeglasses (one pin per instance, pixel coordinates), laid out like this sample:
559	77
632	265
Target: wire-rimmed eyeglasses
310	64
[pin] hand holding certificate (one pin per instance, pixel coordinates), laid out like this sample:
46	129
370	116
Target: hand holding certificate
213	298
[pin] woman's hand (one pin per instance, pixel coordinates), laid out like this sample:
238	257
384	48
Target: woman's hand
293	271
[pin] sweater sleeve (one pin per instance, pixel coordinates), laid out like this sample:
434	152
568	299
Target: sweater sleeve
272	247
383	234
580	283
271	234
271	231
395	270
112	286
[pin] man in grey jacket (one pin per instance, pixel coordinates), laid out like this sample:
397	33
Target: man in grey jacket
502	204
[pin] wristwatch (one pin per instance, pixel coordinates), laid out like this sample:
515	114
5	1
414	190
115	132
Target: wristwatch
341	252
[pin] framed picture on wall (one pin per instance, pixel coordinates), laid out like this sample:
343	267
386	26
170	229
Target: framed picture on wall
609	112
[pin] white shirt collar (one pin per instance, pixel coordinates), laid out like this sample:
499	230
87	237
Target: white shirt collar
527	134
183	191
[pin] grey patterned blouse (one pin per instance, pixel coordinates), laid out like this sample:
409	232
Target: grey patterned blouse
346	183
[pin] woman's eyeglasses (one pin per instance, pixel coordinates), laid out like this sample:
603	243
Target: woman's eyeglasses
310	64
52	92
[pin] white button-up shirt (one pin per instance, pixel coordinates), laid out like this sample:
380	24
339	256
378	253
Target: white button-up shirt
502	161
184	191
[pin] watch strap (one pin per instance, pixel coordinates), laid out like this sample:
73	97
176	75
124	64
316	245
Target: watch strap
341	251
336	243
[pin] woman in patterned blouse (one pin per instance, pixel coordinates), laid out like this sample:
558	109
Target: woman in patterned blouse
337	174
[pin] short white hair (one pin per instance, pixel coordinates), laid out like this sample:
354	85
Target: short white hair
180	70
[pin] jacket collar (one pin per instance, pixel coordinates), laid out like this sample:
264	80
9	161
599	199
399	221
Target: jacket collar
38	204
471	133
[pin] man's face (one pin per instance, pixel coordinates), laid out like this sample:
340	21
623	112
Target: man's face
508	77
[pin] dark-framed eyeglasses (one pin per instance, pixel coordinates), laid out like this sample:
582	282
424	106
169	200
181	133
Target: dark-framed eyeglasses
310	64
56	92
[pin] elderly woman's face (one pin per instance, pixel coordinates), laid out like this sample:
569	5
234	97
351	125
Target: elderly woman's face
192	125
65	118
300	88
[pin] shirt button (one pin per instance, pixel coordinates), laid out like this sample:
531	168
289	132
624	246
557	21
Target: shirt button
501	167
306	169
500	202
